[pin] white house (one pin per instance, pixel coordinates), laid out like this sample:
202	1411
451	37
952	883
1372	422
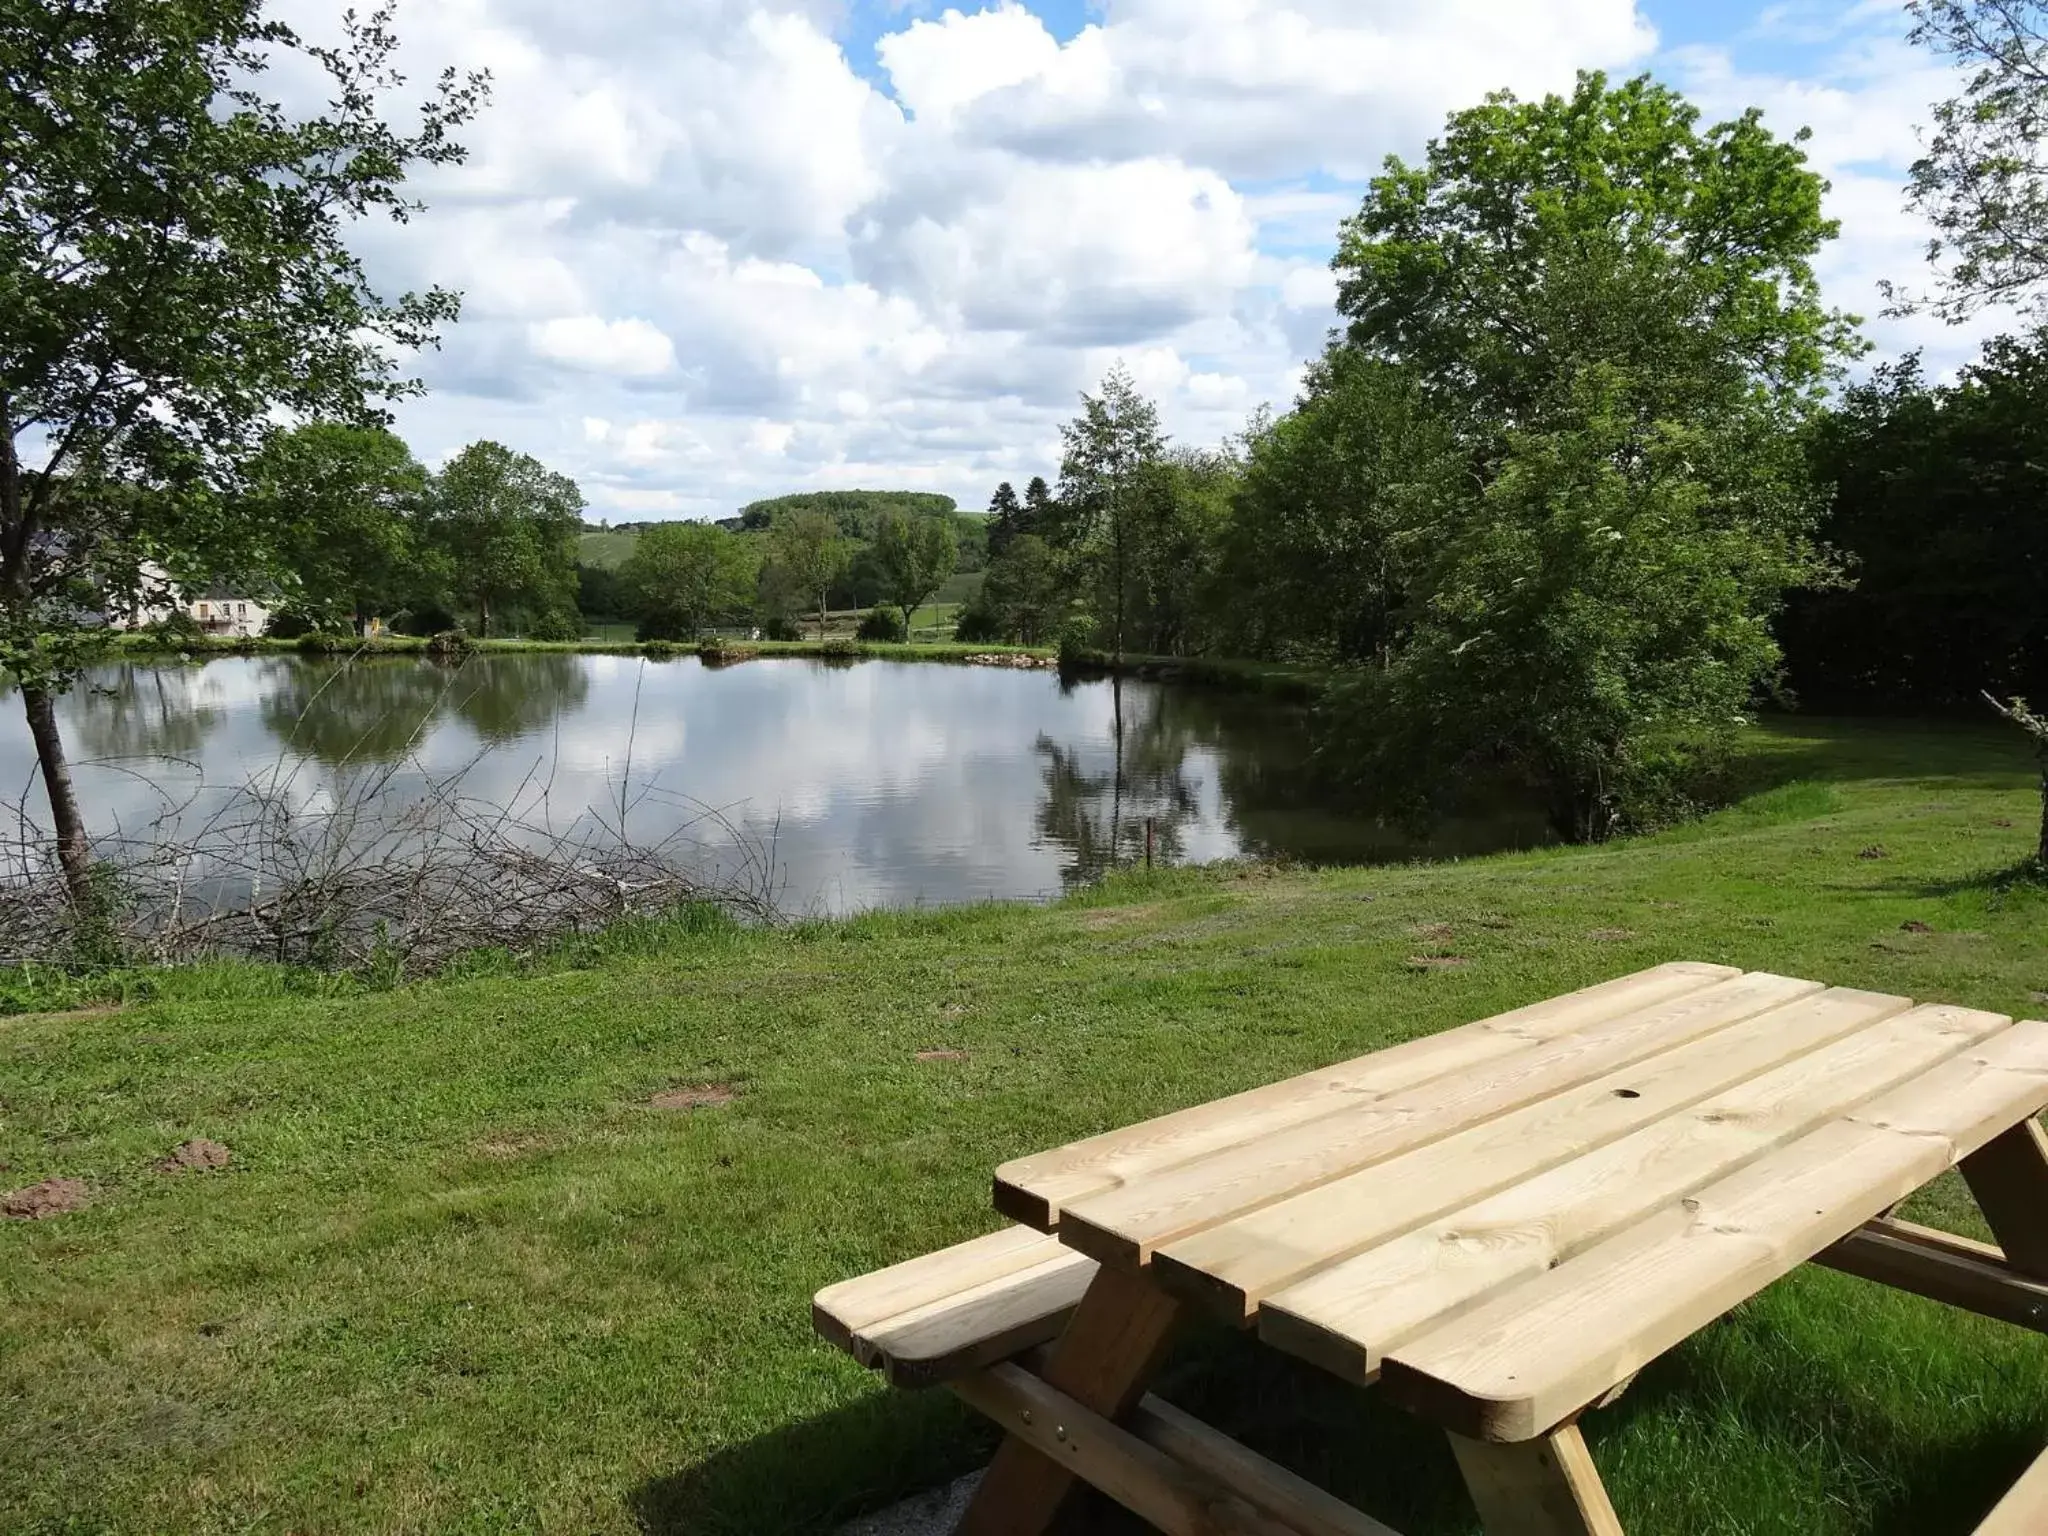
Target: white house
227	613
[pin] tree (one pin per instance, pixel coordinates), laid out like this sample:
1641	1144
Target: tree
345	501
807	545
1321	539
1936	507
1613	315
1109	447
173	270
507	526
1984	179
916	556
1005	517
1025	594
1038	508
685	576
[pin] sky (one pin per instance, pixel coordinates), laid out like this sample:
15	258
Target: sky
716	250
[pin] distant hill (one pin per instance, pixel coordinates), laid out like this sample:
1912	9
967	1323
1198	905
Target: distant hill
857	512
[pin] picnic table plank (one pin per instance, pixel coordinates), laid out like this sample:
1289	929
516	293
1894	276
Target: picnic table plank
1233	1266
853	1306
1125	1226
1528	1358
1036	1189
1346	1316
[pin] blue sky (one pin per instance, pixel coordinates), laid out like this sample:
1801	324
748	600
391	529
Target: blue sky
719	249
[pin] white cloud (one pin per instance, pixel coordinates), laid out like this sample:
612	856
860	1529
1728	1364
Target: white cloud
630	348
705	259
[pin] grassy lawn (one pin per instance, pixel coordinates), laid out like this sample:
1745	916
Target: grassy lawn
464	1276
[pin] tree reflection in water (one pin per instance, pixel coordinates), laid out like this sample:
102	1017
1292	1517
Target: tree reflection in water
146	710
1100	816
375	709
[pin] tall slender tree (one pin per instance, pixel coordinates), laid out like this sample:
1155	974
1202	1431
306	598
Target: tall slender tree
1110	447
1004	517
173	271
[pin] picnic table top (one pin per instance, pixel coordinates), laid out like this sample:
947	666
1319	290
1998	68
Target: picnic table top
1504	1221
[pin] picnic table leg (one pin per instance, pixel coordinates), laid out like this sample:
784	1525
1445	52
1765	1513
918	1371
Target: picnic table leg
1542	1487
2009	1177
1108	1354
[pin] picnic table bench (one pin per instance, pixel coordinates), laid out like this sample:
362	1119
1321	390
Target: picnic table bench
1498	1225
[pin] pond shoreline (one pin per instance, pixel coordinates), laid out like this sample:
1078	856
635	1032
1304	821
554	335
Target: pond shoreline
1235	674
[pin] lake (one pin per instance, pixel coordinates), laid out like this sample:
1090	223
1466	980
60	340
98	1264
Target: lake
868	784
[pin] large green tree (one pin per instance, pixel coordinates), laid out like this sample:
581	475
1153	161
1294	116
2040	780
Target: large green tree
1983	180
682	577
915	555
346	503
507	527
1110	449
173	272
1613	313
808	550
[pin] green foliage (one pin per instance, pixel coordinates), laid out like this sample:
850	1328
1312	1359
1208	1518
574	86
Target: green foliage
556	624
1331	516
856	512
1005	519
1109	449
808	553
881	625
661	650
450	644
1612	316
1025	596
174	266
176	630
506	525
683	577
915	556
1983	181
344	503
1937	510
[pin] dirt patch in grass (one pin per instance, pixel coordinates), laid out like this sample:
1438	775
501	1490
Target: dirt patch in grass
941	1055
702	1096
1436	962
1116	917
64	1016
195	1156
52	1197
1914	925
1610	935
1436	933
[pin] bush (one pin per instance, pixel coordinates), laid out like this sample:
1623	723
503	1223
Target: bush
557	625
841	647
320	642
977	625
177	629
289	624
781	627
1077	641
882	626
661	650
663	624
450	643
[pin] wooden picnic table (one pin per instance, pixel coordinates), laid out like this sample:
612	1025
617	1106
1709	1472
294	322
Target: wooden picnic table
1498	1225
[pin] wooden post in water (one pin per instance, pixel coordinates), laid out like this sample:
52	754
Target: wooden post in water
1148	842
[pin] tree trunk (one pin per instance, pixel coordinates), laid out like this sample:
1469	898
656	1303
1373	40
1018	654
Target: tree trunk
483	615
824	593
2041	853
72	851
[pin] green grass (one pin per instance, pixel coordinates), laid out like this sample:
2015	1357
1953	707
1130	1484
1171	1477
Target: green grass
608	548
463	1277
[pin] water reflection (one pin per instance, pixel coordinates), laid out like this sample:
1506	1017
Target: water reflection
876	784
